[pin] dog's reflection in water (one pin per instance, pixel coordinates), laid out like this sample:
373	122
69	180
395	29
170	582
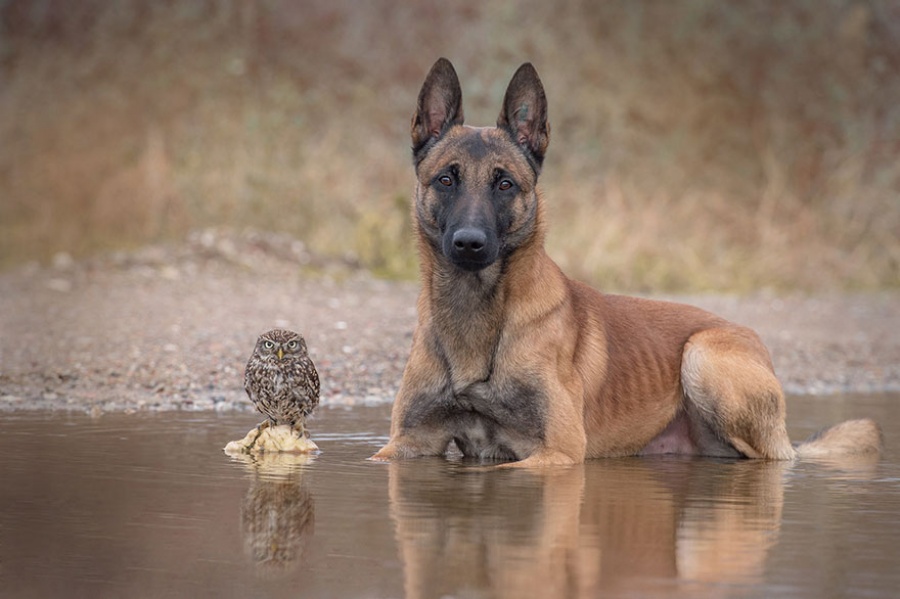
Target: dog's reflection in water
642	527
278	513
462	532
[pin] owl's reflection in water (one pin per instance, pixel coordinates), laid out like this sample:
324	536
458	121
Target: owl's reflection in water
278	513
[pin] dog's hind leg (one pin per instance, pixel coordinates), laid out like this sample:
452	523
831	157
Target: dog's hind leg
732	398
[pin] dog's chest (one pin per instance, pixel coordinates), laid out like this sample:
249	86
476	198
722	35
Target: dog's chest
495	421
491	410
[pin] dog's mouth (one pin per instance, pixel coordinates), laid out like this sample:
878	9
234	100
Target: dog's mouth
471	266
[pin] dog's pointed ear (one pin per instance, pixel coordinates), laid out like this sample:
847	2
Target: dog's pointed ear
524	113
439	107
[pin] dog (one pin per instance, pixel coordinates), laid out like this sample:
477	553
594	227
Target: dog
514	361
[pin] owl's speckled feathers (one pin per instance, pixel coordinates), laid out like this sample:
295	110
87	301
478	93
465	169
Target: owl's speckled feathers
281	380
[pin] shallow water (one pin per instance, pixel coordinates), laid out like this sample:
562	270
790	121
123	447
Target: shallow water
149	506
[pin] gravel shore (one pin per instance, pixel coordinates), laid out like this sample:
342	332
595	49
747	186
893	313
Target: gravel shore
171	327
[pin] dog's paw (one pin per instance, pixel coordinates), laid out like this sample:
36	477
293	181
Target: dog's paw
543	459
385	454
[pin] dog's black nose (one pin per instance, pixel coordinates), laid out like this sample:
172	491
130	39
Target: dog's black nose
469	242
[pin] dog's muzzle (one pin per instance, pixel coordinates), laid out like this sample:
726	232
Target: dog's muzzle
470	248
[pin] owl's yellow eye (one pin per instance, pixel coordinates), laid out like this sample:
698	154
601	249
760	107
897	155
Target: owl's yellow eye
268	345
292	344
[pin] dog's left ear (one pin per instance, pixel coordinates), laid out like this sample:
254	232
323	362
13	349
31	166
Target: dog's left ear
524	113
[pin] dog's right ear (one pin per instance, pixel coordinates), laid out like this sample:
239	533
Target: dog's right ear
439	107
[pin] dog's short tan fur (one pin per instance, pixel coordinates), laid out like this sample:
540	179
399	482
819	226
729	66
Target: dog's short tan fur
513	360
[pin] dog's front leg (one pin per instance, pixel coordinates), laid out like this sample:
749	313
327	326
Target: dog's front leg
417	428
565	440
415	431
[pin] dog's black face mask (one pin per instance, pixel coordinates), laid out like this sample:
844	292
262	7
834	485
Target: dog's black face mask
472	212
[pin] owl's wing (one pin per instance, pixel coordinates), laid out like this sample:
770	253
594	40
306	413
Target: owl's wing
314	381
248	385
308	392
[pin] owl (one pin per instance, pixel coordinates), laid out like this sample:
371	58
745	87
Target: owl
281	380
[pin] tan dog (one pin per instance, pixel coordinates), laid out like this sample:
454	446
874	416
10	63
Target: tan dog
512	360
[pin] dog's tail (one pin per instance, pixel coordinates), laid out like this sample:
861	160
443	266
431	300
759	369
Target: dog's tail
849	438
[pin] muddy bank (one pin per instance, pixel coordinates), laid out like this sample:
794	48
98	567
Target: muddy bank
168	328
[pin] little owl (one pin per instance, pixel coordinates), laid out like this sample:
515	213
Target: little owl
281	380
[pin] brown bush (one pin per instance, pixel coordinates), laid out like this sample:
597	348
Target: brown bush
696	145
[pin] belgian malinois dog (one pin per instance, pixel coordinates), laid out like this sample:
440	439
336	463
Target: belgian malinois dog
514	361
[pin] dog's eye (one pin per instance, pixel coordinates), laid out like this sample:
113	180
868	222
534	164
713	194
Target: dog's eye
445	180
504	185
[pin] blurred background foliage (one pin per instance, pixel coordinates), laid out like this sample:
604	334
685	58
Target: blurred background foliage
696	145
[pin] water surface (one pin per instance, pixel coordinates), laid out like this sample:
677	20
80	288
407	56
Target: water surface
149	506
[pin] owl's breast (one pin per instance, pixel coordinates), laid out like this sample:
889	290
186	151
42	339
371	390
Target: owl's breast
278	379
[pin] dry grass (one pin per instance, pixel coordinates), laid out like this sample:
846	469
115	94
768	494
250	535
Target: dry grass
696	145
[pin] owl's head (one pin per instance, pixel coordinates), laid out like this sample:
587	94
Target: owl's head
280	344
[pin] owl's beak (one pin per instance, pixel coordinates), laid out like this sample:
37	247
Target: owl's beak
280	353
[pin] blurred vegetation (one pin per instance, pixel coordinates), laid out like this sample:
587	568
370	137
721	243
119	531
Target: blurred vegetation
696	145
